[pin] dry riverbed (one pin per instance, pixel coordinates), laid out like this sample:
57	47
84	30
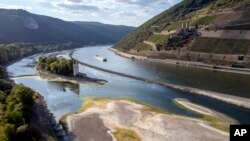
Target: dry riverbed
123	119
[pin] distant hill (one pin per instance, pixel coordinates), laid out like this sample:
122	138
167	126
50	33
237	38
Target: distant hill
116	32
23	26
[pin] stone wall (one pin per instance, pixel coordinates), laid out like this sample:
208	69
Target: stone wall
195	56
227	34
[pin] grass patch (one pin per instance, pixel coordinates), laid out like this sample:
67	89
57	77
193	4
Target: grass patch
143	47
203	20
102	103
146	108
221	46
174	26
158	38
199	13
122	134
216	123
94	102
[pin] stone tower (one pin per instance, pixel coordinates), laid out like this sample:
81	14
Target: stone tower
187	24
75	68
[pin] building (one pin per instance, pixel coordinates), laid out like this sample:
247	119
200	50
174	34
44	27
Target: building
75	68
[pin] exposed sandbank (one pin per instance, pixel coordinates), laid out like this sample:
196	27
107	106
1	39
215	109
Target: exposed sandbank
75	80
100	119
220	121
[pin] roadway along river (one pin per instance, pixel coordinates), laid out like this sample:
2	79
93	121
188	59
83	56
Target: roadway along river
63	98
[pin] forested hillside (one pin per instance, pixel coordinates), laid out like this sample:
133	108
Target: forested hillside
22	26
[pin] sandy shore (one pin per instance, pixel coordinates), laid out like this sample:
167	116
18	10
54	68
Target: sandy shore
99	122
205	111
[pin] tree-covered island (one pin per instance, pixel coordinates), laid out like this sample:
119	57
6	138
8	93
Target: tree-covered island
55	65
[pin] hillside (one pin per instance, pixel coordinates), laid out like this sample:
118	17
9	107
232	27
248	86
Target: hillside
23	26
159	22
211	31
116	32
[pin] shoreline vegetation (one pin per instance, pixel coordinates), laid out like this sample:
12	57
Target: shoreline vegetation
183	63
231	99
20	114
61	69
48	128
139	121
16	123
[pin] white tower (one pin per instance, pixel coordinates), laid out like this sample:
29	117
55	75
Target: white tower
75	68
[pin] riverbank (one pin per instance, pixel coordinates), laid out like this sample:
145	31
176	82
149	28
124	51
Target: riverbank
43	120
101	118
235	100
184	63
70	79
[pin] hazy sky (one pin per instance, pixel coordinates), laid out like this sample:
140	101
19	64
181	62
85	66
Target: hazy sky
125	12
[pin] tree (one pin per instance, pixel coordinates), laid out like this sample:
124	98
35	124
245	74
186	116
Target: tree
23	94
14	117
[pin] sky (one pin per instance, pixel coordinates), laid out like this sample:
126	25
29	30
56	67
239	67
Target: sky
118	12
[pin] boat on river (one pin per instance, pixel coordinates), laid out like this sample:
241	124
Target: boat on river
101	58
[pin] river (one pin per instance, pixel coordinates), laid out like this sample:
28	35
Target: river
63	98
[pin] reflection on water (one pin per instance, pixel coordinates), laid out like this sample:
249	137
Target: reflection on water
64	87
63	98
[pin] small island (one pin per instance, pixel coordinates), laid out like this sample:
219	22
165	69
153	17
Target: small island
64	70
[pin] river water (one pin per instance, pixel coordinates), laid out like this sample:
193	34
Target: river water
63	98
